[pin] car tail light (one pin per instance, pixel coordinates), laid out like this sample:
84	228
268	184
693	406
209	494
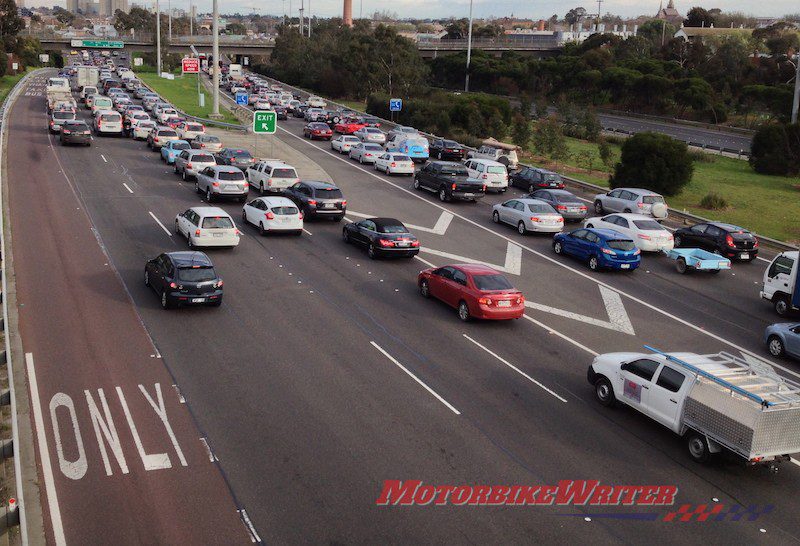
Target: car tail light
270	215
65	131
344	202
485	176
520	299
729	241
608	251
385	242
189	166
238	232
197	232
637	252
269	182
643	236
453	187
485	301
562	207
583	207
245	185
312	202
559	220
755	242
300	216
640	205
173	285
414	243
155	139
219	284
393	164
534	218
202	145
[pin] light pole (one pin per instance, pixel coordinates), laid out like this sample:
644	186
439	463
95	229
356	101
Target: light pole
158	39
169	12
469	47
215	55
309	18
796	98
191	19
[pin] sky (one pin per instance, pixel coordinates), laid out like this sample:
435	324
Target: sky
460	8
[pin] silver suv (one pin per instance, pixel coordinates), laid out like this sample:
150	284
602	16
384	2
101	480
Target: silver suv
632	200
507	154
222	181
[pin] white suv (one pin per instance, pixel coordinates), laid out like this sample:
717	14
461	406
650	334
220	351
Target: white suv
492	173
222	181
207	226
271	175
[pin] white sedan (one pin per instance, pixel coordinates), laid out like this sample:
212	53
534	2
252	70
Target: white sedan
262	104
528	215
394	164
647	234
343	143
365	152
166	113
273	214
371	134
207	226
141	129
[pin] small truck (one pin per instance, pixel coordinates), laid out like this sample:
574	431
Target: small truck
716	402
780	284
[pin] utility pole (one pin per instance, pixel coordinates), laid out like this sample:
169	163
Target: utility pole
796	99
158	39
598	14
301	17
469	48
169	10
215	54
191	19
309	18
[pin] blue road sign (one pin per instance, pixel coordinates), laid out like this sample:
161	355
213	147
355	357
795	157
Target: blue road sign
395	105
241	99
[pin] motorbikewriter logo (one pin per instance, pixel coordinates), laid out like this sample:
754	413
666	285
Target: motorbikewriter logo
565	493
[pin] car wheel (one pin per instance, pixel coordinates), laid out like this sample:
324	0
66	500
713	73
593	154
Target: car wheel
521	229
463	311
627	211
189	242
146	278
594	264
557	248
183	175
196	187
416	184
424	289
442	195
165	303
781	304
496	217
261	188
361	159
371	252
261	230
531	189
598	207
775	346
678	241
604	392
209	195
177	231
244	217
346	236
698	447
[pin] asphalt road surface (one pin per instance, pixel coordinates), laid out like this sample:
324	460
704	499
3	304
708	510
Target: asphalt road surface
324	373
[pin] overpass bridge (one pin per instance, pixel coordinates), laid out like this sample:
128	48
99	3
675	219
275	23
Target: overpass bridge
542	46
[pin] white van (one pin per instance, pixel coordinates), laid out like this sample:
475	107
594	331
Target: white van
108	122
101	103
271	175
493	173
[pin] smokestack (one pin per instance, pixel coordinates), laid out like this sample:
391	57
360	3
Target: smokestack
540	25
347	13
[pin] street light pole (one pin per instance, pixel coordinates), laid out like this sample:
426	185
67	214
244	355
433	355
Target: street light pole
158	39
469	47
796	99
309	18
215	55
169	12
191	19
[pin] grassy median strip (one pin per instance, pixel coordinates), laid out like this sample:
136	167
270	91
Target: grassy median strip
8	82
766	205
182	93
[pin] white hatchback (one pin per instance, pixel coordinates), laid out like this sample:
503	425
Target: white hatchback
273	214
491	173
343	143
207	226
108	122
647	234
394	164
141	129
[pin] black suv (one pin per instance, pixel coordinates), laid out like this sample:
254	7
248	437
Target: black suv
184	278
532	179
725	239
318	199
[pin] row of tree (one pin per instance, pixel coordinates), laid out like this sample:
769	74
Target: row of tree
27	49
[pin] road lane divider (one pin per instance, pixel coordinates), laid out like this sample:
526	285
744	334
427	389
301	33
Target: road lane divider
565	337
160	224
415	378
127	187
510	365
618	319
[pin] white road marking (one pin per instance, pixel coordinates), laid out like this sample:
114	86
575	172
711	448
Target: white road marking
44	455
250	528
151	461
74	470
104	427
440	228
550	259
565	337
507	363
160	224
795	461
618	319
161	411
104	158
513	263
426	262
127	187
211	456
415	378
306	231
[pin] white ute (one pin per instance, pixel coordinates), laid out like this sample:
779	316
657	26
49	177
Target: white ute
716	402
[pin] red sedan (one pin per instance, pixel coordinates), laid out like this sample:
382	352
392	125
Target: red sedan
349	126
477	291
317	130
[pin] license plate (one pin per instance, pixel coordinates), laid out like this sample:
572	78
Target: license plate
217	234
402	244
327	205
198	300
744	256
504	303
469	195
625	266
572	209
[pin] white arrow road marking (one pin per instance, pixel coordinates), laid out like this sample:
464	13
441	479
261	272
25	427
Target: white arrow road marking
439	229
513	263
618	319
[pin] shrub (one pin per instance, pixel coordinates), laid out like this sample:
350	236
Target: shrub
713	201
654	161
699	156
604	151
776	150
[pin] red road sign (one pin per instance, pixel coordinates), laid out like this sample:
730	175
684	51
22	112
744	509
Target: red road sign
190	65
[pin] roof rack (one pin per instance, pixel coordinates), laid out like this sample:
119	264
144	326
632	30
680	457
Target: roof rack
754	379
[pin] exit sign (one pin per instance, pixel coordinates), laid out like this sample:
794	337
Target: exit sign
106	44
265	122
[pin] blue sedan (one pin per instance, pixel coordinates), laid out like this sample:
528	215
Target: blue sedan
783	339
172	149
600	248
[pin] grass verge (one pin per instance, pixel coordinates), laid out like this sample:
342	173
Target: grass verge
8	82
182	93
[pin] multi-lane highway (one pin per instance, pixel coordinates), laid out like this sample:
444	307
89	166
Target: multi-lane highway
324	373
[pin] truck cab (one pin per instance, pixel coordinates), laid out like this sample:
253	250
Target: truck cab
780	283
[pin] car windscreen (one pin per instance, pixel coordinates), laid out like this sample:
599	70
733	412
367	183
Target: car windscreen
492	282
217	222
241	154
284	173
620	244
63	115
650	225
650	199
167	133
542	208
495	169
196	274
229	175
332	193
202	158
288	210
392	229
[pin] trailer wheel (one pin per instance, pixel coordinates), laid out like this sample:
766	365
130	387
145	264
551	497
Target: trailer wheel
681	266
604	392
698	447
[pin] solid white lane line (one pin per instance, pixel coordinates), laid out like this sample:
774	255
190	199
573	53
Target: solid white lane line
578	344
305	230
415	378
550	259
510	365
159	223
426	262
44	455
104	158
795	461
127	187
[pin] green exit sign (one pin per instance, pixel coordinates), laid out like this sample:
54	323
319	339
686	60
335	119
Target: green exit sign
105	44
265	122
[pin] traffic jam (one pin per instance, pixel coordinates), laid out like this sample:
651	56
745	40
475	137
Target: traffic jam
715	403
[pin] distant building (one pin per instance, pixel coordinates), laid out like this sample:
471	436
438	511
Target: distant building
579	34
669	14
20	3
695	34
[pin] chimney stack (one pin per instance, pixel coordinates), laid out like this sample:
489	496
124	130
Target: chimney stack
347	13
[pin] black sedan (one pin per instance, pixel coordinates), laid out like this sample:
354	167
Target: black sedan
184	278
449	150
281	112
382	237
726	240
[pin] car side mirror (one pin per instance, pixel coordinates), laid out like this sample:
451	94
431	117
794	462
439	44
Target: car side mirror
625	367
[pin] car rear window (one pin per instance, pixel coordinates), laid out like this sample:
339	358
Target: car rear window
217	222
451	144
393	229
203	158
417	142
650	199
562	198
240	153
284	210
211	139
194	127
492	282
373	147
111	117
649	225
76	126
400	158
63	115
332	193
619	244
181	146
541	208
167	132
552	177
497	169
455	170
228	175
196	274
284	173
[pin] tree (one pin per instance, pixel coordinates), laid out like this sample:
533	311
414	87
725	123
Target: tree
3	65
521	131
549	139
657	32
138	19
63	16
590	125
654	161
457	29
698	17
236	28
604	151
776	149
10	21
574	16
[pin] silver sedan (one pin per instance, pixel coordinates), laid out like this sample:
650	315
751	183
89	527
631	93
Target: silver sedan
371	134
528	215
